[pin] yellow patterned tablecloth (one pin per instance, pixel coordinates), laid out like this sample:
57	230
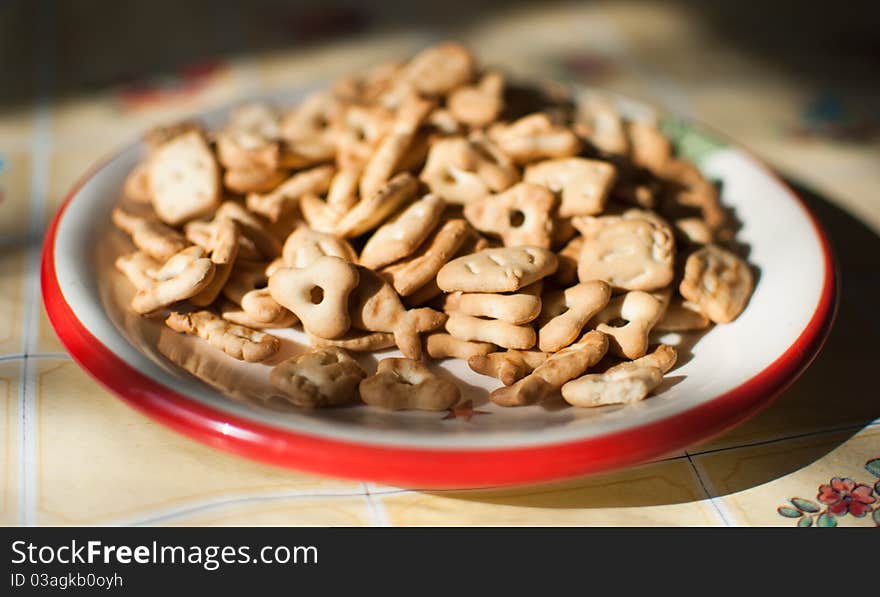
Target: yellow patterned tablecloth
72	454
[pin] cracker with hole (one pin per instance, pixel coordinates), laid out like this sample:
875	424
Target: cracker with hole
521	215
317	294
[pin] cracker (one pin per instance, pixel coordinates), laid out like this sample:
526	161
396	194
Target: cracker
718	281
583	185
184	179
402	235
414	272
319	379
497	270
630	252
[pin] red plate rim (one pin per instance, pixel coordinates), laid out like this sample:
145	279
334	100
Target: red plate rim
433	468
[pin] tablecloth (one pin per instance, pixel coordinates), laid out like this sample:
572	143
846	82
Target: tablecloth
73	454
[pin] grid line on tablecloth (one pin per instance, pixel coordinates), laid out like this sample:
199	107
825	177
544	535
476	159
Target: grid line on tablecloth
378	513
33	355
171	514
41	144
796	436
713	502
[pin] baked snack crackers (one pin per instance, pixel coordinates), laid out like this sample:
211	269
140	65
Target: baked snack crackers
431	206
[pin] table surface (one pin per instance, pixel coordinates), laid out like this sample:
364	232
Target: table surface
75	455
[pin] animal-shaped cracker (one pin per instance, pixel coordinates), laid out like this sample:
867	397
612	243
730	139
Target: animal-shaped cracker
406	384
649	147
248	287
480	104
319	214
463	170
137	184
663	358
687	189
394	145
521	215
583	185
222	245
183	276
602	125
376	307
566	273
440	69
323	214
517	309
317	294
630	252
150	235
276	203
235	314
308	132
251	227
137	267
250	139
682	316
641	311
237	341
357	341
359	129
253	180
494	331
443	346
184	179
305	245
402	235
412	273
692	231
343	192
373	209
565	313
553	373
534	137
497	270
624	386
717	281
322	378
508	366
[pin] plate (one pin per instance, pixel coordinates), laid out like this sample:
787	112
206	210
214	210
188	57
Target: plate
725	375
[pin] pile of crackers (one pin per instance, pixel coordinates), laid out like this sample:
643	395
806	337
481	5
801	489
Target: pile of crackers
431	206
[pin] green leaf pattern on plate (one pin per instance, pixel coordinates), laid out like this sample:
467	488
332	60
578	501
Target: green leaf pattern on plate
690	141
826	520
789	512
805	505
